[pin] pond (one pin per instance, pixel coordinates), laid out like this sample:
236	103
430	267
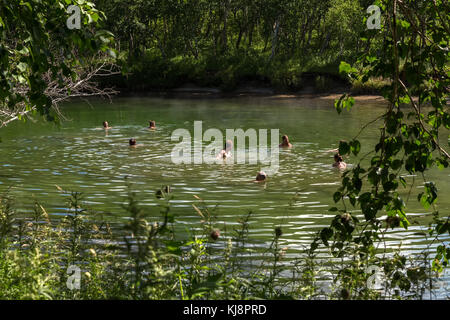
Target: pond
79	155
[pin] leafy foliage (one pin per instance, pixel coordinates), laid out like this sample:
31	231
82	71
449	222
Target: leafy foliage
34	40
146	259
414	58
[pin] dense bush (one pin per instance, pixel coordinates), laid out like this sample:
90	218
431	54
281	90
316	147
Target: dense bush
145	259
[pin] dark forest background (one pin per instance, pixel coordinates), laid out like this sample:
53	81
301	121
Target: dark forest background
287	45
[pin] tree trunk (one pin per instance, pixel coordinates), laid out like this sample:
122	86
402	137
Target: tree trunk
238	42
224	30
276	28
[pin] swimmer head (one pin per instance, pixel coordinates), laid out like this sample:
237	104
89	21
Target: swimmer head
261	176
105	124
132	142
338	158
285	142
152	124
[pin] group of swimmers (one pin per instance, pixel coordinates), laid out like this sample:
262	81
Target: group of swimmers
132	142
226	151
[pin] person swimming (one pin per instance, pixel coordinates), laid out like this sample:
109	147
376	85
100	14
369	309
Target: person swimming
261	176
285	143
339	162
133	143
152	124
106	125
226	151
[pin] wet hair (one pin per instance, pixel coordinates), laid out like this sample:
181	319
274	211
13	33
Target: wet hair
132	142
285	141
105	124
261	176
338	158
152	123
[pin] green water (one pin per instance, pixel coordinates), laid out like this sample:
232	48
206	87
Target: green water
81	156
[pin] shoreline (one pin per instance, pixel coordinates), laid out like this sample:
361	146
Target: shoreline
261	93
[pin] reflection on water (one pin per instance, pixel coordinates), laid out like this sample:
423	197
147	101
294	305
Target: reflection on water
81	156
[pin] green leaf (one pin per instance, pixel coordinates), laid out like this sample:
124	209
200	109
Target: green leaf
326	234
405	24
344	67
344	147
337	196
22	67
344	102
396	164
355	147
